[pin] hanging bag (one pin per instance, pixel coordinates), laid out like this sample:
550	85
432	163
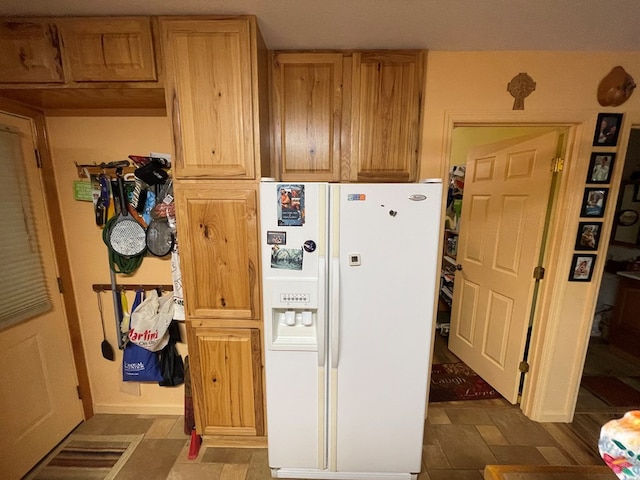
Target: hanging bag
150	322
140	364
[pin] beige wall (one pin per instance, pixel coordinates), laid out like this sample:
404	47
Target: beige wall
105	139
471	87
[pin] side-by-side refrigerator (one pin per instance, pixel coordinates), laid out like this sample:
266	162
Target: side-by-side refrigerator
349	282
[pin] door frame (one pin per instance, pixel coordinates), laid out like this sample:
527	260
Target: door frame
47	173
545	397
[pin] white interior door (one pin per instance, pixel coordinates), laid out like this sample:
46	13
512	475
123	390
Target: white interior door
39	402
503	210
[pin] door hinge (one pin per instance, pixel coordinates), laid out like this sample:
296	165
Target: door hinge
79	394
557	164
38	159
60	286
523	367
538	273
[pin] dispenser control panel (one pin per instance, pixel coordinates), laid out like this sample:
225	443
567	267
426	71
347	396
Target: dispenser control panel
295	297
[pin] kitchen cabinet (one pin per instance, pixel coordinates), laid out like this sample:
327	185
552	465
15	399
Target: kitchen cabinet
108	49
624	330
226	370
307	101
215	71
385	115
350	116
30	51
219	249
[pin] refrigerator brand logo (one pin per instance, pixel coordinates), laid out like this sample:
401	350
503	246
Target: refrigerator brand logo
356	197
417	197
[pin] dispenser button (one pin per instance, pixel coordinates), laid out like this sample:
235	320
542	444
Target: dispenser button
307	318
290	318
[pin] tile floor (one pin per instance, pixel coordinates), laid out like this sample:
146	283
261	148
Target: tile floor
460	439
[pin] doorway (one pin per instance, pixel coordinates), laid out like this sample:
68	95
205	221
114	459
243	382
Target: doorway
611	376
491	344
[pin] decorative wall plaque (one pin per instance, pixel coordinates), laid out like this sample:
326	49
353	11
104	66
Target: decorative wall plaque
520	87
615	88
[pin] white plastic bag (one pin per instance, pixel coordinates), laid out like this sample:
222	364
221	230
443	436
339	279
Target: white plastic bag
150	322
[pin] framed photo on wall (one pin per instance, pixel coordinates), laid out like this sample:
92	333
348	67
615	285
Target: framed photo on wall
600	167
607	129
588	235
582	267
594	202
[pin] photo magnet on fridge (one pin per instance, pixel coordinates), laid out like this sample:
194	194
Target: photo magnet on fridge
276	238
286	258
290	205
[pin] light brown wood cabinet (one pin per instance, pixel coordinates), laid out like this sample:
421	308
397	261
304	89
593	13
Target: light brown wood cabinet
30	51
347	116
213	79
108	49
226	376
219	249
385	120
307	104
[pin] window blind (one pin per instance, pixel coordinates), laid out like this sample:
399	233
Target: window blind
23	289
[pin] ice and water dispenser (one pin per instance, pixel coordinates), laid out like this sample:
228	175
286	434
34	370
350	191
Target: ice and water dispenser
294	315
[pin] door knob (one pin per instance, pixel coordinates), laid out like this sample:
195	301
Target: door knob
458	267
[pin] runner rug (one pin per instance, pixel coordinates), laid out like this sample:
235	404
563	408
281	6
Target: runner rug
87	457
456	381
612	390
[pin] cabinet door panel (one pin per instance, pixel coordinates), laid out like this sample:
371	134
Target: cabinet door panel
29	52
209	97
308	114
227	380
108	49
218	251
386	115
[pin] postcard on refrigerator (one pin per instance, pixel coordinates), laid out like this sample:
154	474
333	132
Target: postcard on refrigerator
290	205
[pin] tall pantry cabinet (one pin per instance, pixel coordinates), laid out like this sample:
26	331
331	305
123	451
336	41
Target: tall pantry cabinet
217	100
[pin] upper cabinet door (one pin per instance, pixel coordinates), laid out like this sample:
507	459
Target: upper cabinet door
219	249
29	52
307	106
386	89
108	49
210	95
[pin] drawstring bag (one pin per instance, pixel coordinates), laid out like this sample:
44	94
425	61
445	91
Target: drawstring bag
140	364
150	322
171	364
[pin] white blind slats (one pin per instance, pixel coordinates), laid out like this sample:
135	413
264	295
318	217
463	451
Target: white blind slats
22	282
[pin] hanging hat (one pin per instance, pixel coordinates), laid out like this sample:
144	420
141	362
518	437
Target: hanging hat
615	88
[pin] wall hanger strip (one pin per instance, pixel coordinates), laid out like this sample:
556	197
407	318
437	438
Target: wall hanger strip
106	287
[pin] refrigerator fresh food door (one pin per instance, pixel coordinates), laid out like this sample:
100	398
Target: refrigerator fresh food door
293	243
385	243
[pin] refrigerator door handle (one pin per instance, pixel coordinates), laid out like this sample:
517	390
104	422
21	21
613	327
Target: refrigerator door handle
335	311
321	332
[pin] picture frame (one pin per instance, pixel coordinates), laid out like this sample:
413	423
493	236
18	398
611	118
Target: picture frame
594	202
607	129
588	237
600	167
582	267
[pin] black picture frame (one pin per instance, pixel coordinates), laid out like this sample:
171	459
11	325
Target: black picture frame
588	237
582	266
607	130
600	167
594	202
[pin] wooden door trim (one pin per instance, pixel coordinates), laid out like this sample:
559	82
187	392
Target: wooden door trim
61	253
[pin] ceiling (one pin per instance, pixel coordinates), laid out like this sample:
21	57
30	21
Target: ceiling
360	24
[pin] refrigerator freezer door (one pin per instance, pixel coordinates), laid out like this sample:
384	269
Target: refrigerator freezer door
388	248
294	297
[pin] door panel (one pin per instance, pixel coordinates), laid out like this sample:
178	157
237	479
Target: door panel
504	205
39	402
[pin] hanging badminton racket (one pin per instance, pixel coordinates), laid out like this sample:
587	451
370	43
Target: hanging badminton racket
126	236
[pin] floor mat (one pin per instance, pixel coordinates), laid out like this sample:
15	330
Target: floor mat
87	457
456	381
612	391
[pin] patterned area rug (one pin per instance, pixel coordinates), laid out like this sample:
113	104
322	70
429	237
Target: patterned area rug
87	457
456	381
612	390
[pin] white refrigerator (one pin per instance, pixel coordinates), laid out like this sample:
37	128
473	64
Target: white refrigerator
349	284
